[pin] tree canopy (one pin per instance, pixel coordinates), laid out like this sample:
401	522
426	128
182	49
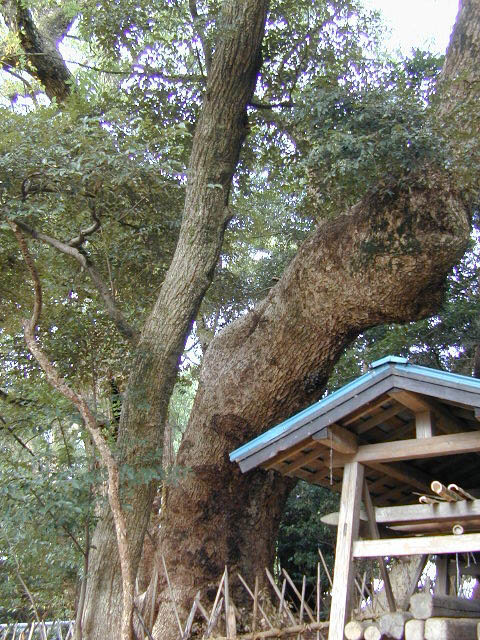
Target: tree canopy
166	162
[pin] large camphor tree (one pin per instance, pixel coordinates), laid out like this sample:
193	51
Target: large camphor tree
205	77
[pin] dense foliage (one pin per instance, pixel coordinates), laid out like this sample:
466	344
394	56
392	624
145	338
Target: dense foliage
115	156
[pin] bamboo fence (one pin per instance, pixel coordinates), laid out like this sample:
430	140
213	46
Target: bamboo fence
280	613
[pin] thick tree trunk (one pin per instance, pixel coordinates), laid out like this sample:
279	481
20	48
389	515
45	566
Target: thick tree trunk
384	261
219	134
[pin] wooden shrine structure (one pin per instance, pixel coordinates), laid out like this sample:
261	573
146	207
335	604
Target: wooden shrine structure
382	439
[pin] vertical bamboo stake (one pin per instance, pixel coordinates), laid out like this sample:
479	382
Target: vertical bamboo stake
325	567
280	606
214	608
318	597
248	590
226	593
302	601
171	597
30	633
279	595
299	595
255	606
154	597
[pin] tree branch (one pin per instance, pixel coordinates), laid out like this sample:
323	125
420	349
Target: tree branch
262	105
199	26
108	460
80	239
49	67
114	313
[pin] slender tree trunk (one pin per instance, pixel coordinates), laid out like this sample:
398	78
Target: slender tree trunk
219	134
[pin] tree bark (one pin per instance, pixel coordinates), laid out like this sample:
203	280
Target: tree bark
219	134
383	261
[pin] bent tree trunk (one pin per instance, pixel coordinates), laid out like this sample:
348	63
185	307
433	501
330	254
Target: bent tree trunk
383	261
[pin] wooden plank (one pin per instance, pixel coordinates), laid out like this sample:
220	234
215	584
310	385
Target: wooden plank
337	438
418	545
384	414
458	511
448	391
442	513
367	406
426	605
367	501
412	449
288	453
347	532
304	459
411	401
404	474
423	424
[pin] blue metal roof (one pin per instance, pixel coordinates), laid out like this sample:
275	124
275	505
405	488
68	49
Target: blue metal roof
377	370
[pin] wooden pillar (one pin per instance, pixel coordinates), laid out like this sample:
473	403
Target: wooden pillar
441	579
343	573
423	424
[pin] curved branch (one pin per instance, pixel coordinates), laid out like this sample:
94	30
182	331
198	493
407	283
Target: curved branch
108	460
84	233
114	313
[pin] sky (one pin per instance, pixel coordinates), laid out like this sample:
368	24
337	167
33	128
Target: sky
418	23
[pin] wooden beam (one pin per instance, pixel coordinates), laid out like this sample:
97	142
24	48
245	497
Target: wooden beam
287	454
343	573
412	401
424	605
414	513
404	473
450	628
375	420
367	407
304	459
338	438
418	545
399	450
417	402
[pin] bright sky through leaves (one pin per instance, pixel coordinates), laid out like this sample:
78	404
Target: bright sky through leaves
425	24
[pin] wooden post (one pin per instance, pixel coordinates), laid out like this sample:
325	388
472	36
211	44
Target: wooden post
347	532
423	424
441	579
